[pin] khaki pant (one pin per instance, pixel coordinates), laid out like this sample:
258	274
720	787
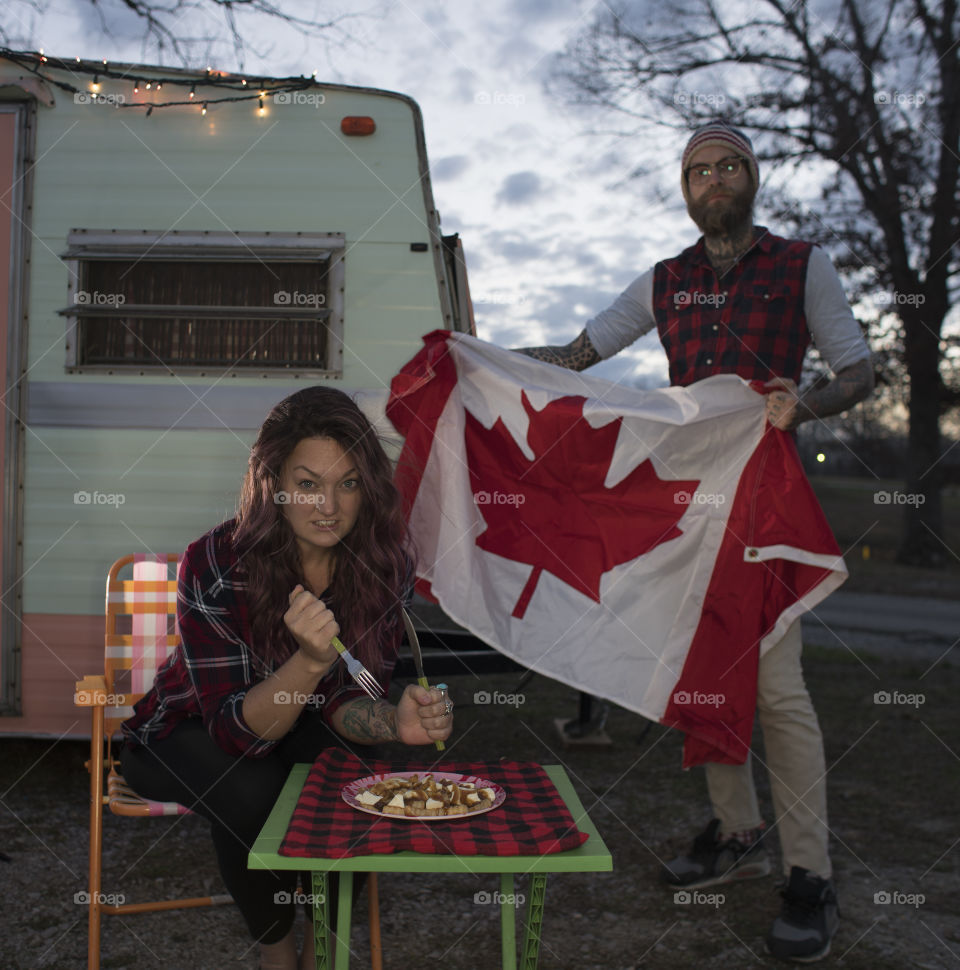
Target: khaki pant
794	759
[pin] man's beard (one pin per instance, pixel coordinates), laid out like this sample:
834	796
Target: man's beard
728	218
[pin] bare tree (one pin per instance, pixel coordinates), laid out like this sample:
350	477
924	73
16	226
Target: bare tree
192	32
862	97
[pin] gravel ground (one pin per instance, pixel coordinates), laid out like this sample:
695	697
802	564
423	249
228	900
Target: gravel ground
894	784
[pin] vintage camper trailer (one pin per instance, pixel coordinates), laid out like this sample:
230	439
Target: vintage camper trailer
178	251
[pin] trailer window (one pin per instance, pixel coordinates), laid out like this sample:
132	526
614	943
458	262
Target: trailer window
186	301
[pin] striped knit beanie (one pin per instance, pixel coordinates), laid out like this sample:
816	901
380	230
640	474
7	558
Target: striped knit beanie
722	134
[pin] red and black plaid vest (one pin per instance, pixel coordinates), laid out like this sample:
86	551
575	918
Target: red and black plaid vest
751	323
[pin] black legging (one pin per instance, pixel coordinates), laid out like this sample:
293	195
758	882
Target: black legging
236	795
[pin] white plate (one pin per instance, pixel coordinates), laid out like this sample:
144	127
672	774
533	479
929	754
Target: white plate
349	794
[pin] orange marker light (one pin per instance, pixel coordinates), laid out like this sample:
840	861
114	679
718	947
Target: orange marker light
358	125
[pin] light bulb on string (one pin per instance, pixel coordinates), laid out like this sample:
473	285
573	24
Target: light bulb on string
193	92
203	108
262	111
95	86
136	87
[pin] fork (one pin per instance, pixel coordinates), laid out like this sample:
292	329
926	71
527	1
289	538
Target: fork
358	672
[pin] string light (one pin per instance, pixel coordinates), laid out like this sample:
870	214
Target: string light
227	88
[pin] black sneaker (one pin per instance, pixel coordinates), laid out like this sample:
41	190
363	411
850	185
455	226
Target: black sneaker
808	920
711	861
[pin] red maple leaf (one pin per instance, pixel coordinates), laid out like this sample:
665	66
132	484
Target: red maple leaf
554	512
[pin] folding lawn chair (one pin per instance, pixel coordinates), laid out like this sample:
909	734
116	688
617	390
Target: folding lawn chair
141	632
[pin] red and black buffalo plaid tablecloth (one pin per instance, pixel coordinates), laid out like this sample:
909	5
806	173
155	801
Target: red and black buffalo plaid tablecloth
532	821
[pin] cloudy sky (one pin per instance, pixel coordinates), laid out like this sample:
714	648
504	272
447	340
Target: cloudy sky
552	223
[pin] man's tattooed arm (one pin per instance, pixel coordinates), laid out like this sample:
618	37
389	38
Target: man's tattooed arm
850	386
366	721
579	354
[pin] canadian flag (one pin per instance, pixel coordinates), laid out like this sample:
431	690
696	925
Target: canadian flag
644	546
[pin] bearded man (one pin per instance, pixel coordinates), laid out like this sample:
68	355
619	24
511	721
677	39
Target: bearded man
744	301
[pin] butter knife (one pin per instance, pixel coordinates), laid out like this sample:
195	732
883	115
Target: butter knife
418	661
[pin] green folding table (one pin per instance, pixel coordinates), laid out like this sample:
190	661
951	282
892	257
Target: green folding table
591	856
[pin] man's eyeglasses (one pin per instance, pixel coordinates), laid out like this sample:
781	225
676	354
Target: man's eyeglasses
727	168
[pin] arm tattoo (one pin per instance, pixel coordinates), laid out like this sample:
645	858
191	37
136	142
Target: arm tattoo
367	721
579	354
852	384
